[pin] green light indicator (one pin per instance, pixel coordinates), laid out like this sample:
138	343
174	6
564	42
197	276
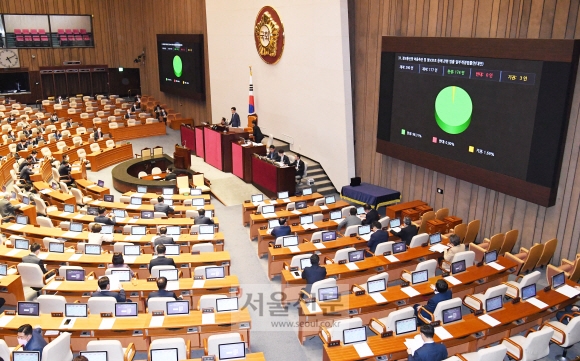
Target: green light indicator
453	110
403	131
177	66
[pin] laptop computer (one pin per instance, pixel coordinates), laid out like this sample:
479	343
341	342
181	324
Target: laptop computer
355	256
419	277
395	225
28	308
169	202
75	275
169	274
3	269
327	294
172	249
451	314
405	325
493	303
173	230
101	183
528	291
329	200
363	230
206	229
56	247
458	267
558	280
106	229
126	309
109	198
354	335
132	250
76	227
399	247
273	223
360	211
69	208
305	262
226	304
435	238
328	236
334	215
288	241
376	285
20	219
92	211
198	202
268	208
119	213
164	354
300	205
176	308
214	272
232	351
490	256
147	214
93	249
95	355
306	219
138	230
123	275
195	192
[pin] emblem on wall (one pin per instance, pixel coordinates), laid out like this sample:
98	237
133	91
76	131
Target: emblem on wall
269	35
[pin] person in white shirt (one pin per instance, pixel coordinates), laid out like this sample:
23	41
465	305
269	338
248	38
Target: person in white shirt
95	237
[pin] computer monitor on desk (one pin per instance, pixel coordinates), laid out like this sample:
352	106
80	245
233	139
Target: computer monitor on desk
354	335
376	285
25	356
95	355
451	314
405	325
493	303
164	354
419	277
282	195
435	238
355	256
288	241
256	198
232	351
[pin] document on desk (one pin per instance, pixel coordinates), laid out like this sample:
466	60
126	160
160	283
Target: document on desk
257	203
442	333
156	321
366	237
378	297
363	349
168	196
140	195
489	320
51	333
313	307
172	286
296	212
46	191
568	291
75	257
208	318
310	226
324	208
4	320
273	201
319	245
454	281
198	283
269	215
13	252
294	249
78	216
52	285
133	238
286	200
92	186
130	259
392	258
69	325
69	234
133	206
64	214
410	291
413	344
96	202
107	323
16	227
351	266
43	255
133	220
205	237
539	304
438	248
496	265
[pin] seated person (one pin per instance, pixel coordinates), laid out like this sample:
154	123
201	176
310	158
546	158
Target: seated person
351	220
299	165
7	209
22	145
171	175
95	237
118	262
29	339
430	351
379	236
33	157
314	273
105	219
161	285
456	247
98	134
57	135
281	230
26	131
442	293
163	238
223	122
33	257
162	207
407	232
26	172
161	260
371	215
24	163
282	158
202	219
104	286
64	172
68	123
272	153
38	139
78	358
53	118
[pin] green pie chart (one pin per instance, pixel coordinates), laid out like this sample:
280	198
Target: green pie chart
453	109
177	66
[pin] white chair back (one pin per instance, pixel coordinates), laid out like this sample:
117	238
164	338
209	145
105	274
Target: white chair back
351	230
4	350
380	276
392	318
101	304
384	222
329	282
418	240
443	305
155	270
44	221
342	254
336	331
58	349
209	301
214	341
295	262
178	343
468	256
31	275
110	143
384	247
114	349
158	303
95	147
203	247
120	246
51	303
62	269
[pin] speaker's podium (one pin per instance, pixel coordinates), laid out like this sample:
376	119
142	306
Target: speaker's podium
218	146
181	157
271	178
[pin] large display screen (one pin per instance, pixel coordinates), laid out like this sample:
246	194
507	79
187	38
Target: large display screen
181	65
474	112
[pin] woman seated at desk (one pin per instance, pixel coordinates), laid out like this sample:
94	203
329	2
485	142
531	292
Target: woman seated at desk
118	262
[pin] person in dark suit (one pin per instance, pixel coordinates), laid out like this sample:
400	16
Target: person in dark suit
163	238
7	210
37	122
22	145
26	131
171	175
371	215
163	115
299	165
53	118
157	111
33	257
257	132
282	158
351	220
57	135
408	232
105	219
133	107
33	157
272	154
379	236
26	172
39	137
313	274
202	219
161	285
60	100
443	293
104	286
29	339
162	207
430	351
235	121
98	134
161	260
24	163
68	123
281	230
64	171
11	119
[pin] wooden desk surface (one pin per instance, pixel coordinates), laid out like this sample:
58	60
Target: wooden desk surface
258	356
109	156
394	211
256	218
173	221
249	207
92	188
138	131
176	197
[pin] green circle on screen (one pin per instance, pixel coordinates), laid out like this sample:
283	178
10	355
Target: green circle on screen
453	109
177	66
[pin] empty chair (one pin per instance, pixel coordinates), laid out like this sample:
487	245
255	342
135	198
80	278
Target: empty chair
61	146
82	154
159	215
509	241
492	244
384	222
156	170
125	199
101	304
515	287
472	231
429	265
565	336
477	301
113	125
44	222
383	248
191	213
155	270
211	344
131	122
80	199
468	256
77	141
51	303
427	216
182	184
547	253
110	143
380	276
340	255
350	230
329	282
209	301
526	259
533	346
199	182
114	348
493	353
437	315
203	247
81	130
571	269
384	324
5	351
158	303
32	277
95	147
419	240
58	349
319	202
120	246
62	269
442	213
335	333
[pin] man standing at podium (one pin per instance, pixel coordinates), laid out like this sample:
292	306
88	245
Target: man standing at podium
235	121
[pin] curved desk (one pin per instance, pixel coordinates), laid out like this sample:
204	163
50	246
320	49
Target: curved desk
125	175
109	156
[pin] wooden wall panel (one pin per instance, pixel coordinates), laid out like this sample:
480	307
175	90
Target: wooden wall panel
122	29
555	19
